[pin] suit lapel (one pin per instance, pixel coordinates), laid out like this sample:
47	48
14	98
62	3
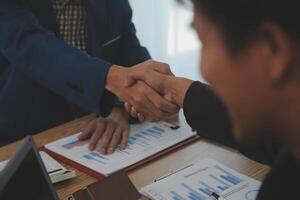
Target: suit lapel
96	19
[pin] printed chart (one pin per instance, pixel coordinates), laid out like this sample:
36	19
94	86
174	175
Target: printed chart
200	180
145	140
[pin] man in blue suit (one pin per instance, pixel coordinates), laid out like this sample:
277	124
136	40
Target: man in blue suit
64	58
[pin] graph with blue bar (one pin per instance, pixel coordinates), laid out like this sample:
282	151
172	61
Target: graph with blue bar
217	183
141	140
198	182
144	140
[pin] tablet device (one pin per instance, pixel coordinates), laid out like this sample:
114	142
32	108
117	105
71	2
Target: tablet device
25	176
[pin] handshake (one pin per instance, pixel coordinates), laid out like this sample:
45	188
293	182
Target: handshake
149	90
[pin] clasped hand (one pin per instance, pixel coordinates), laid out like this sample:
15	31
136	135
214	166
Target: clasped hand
159	78
144	98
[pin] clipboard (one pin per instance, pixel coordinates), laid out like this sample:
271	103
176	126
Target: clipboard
100	176
142	162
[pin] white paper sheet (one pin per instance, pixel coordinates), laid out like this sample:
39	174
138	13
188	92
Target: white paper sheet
198	181
145	140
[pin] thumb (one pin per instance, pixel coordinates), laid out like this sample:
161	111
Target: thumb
129	81
163	68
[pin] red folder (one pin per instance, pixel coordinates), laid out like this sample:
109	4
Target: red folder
99	176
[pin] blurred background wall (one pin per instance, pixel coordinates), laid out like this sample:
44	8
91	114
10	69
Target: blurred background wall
164	27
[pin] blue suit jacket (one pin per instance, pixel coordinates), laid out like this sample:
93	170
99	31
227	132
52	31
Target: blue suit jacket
30	43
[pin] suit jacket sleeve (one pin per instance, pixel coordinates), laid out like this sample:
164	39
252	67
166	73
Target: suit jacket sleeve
38	54
205	113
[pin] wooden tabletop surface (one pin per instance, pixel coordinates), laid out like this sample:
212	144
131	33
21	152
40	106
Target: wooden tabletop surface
146	174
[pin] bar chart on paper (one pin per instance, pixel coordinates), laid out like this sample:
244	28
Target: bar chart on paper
200	180
144	140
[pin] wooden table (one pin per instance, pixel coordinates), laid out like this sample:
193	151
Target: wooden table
146	174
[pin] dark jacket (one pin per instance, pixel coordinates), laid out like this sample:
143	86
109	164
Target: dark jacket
43	78
29	42
205	113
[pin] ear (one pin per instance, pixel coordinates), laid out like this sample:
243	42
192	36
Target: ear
280	51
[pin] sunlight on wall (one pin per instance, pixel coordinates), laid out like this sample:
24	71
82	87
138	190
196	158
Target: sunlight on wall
164	27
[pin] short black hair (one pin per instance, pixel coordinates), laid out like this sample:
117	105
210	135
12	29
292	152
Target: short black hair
241	20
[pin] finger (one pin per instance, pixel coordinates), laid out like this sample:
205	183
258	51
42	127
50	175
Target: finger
130	80
101	125
141	117
87	132
160	103
162	68
153	79
106	137
133	112
124	139
115	140
146	108
127	107
142	104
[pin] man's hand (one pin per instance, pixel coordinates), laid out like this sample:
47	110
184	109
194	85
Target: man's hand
108	132
171	88
143	98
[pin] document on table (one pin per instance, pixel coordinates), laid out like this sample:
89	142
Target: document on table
200	180
144	140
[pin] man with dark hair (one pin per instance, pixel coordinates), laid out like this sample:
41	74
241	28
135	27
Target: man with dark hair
250	58
61	59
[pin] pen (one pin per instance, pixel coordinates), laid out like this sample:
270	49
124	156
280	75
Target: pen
215	196
171	173
57	170
169	125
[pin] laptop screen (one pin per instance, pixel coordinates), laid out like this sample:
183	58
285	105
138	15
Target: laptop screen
25	176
